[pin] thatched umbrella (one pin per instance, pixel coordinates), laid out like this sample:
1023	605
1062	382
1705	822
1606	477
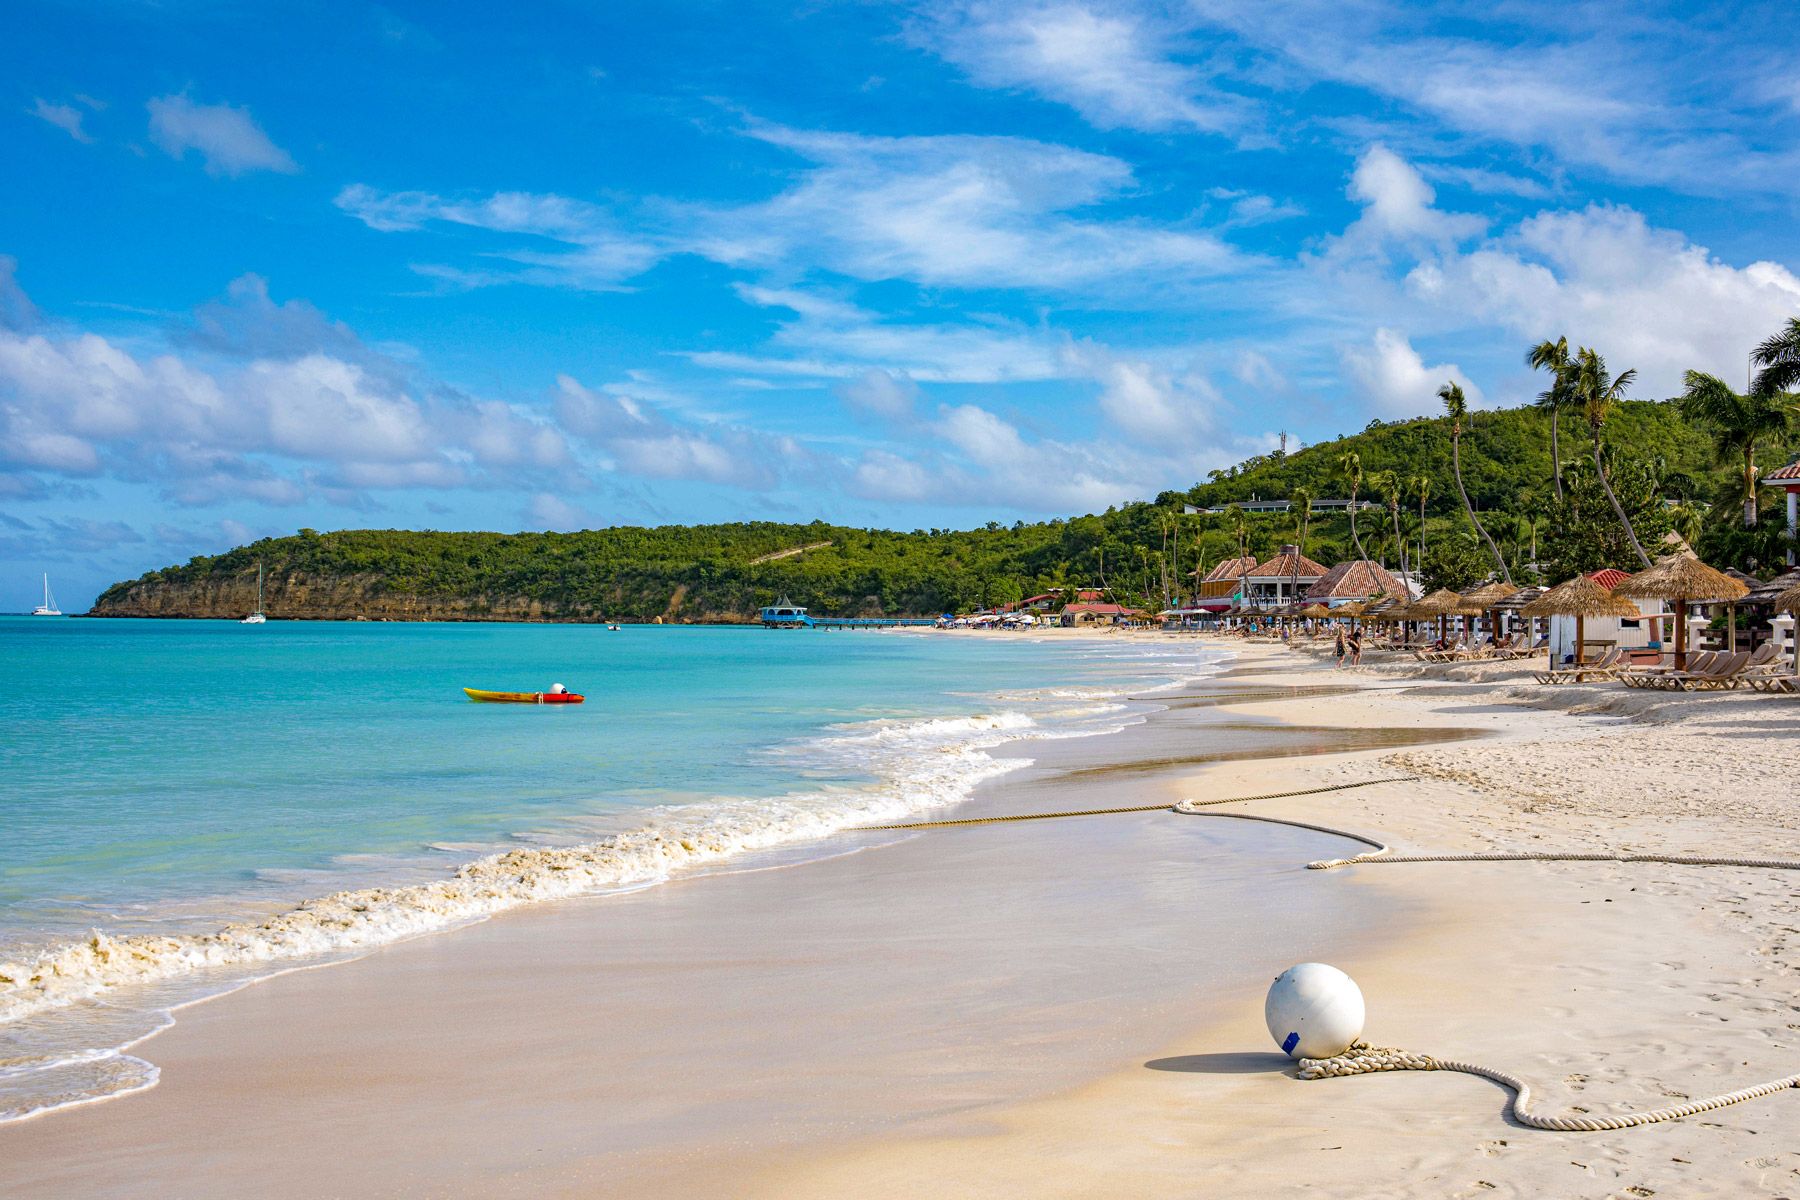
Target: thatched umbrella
1680	579
1580	598
1439	604
1315	611
1481	600
1789	602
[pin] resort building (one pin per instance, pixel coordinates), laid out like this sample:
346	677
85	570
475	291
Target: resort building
1222	582
1600	634
1788	480
1282	579
1085	613
1349	582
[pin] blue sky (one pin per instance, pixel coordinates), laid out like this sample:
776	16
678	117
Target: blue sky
549	266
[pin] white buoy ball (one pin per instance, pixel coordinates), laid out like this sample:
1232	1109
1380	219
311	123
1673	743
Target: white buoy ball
1314	1011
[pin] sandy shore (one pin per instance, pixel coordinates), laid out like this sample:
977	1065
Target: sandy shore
1070	1008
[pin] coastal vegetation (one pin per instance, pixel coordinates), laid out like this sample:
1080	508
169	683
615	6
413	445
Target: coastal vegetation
1518	510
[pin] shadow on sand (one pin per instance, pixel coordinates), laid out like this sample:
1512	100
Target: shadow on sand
1238	1062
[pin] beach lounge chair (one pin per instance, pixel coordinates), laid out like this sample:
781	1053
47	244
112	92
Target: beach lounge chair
1785	684
1647	675
1722	672
1604	667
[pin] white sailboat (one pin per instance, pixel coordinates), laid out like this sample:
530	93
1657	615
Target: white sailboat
256	618
48	607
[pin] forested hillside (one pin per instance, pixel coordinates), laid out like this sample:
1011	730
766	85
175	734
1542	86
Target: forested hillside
1663	467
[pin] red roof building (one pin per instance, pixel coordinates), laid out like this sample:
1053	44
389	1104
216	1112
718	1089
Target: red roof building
1357	580
1223	579
1273	583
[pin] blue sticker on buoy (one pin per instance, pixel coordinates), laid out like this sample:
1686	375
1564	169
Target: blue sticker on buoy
1288	1043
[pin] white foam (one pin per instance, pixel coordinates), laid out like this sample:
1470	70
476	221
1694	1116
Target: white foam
919	765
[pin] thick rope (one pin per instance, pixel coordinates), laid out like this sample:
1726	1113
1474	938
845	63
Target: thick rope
1363	1059
1136	808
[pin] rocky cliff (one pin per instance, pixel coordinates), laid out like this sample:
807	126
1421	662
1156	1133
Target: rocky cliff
313	597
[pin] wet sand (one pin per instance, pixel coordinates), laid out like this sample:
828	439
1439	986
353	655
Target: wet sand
644	1044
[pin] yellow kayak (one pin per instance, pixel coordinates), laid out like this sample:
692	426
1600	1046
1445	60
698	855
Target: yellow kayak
524	697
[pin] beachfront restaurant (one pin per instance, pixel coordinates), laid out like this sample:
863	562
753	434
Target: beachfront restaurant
1281	580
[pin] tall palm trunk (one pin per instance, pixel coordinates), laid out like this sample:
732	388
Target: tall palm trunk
1750	485
1399	541
1456	463
1421	534
1354	536
1618	509
1555	453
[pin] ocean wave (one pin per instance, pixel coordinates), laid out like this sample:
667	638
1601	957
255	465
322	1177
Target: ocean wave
918	764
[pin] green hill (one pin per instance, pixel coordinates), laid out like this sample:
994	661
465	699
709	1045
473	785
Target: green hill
1138	551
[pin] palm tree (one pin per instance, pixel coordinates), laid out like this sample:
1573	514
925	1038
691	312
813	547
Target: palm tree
1738	422
1421	485
1387	485
1240	529
1351	465
1596	390
1554	358
1300	503
1779	358
1458	407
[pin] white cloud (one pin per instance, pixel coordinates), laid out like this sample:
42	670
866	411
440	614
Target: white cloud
1645	297
228	139
1396	380
275	428
65	117
548	511
1111	64
958	211
1399	204
599	255
889	395
642	440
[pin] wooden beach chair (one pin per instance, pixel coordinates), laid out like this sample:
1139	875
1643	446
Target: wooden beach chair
1722	672
1646	676
1778	685
1603	667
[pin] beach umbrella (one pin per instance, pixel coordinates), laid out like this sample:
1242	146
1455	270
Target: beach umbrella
1789	602
1439	604
1580	598
1481	600
1315	611
1681	579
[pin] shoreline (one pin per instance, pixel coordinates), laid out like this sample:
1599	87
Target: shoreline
1041	1139
156	974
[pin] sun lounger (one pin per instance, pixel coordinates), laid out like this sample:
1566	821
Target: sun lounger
1646	676
1788	684
1602	668
1721	673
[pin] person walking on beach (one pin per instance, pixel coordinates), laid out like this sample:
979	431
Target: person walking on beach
1340	648
1356	649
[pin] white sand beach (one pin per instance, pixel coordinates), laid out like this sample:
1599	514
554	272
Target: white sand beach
1073	1007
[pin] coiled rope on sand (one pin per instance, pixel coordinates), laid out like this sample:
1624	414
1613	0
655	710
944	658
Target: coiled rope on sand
1363	1059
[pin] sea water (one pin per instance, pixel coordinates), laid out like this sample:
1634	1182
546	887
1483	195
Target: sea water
188	806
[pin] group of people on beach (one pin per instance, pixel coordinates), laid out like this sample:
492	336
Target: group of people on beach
1350	646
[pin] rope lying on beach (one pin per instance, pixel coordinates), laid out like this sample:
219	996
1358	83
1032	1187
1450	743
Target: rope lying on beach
1363	1059
1098	812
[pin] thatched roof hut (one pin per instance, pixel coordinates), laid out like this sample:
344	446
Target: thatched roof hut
1438	603
1680	579
1580	598
1315	611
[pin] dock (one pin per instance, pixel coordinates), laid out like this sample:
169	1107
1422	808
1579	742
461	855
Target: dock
785	614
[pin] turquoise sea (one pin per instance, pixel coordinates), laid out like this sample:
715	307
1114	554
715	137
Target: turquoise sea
188	805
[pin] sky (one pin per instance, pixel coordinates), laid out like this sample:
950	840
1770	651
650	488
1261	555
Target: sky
571	265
